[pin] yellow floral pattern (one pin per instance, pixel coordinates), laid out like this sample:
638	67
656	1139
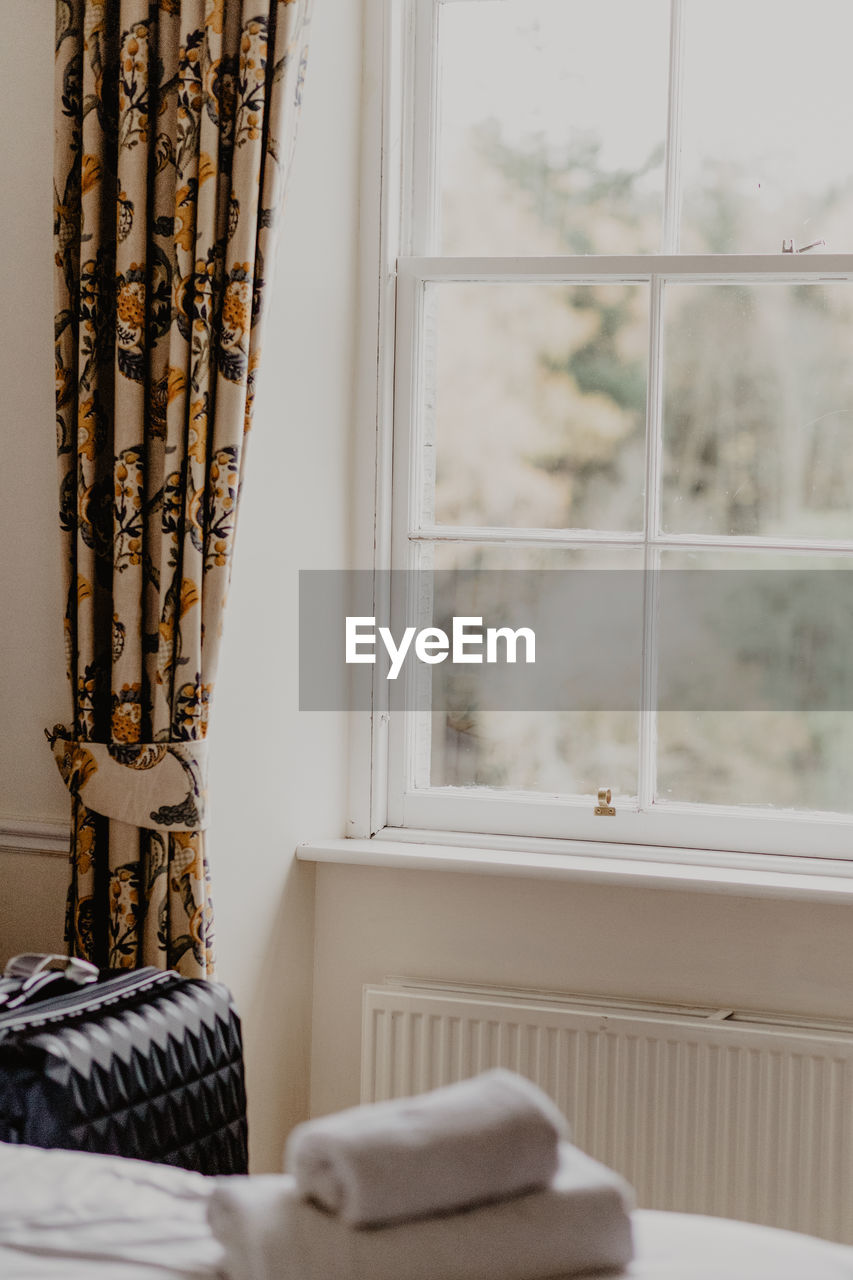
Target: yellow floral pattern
175	124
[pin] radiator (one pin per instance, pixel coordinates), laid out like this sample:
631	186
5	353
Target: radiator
703	1111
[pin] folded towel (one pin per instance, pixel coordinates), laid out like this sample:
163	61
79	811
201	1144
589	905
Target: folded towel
579	1223
468	1143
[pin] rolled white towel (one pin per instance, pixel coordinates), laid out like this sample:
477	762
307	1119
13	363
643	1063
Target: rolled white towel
579	1224
482	1139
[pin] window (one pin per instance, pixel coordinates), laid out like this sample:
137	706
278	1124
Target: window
617	328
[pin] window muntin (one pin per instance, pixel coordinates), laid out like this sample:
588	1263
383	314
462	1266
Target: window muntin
438	782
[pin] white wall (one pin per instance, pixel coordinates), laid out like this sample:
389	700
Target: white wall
666	945
277	777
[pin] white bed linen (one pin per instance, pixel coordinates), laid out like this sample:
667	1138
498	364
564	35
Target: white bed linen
69	1216
66	1216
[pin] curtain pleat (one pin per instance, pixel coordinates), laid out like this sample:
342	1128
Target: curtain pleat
175	123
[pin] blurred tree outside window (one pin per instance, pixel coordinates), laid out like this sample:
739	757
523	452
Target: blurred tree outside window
561	132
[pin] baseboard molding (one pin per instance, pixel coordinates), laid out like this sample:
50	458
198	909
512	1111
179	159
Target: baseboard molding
47	839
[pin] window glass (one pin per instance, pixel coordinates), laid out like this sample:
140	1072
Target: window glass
767	118
758	417
529	749
539	404
755	680
551	126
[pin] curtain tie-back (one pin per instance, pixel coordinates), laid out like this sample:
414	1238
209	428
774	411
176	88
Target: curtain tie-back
161	786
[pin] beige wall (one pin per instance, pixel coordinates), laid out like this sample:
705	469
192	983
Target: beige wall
32	903
32	670
644	943
278	778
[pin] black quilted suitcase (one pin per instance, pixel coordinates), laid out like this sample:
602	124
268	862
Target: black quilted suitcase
146	1064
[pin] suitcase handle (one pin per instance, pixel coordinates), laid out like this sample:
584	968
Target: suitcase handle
30	963
26	976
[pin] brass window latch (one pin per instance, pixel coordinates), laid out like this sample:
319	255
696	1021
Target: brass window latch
604	809
788	246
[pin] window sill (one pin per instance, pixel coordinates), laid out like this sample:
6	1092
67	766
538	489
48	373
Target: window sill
696	871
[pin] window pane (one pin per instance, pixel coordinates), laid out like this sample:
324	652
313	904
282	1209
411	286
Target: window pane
552	122
765	712
768	114
564	752
539	399
758	410
786	759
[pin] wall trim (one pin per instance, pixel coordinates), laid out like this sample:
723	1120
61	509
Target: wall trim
47	839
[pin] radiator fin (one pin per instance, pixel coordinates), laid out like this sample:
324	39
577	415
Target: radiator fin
702	1115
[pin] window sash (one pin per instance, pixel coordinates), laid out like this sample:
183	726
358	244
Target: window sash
409	209
661	826
644	820
716	268
410	524
420	206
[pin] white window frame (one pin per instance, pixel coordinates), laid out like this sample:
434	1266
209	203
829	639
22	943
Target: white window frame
398	151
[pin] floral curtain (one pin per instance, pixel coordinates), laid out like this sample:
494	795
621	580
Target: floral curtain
175	122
